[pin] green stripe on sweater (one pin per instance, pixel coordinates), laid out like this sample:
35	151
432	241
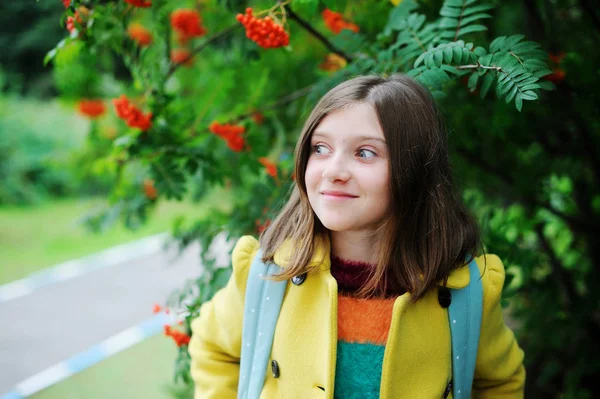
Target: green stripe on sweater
358	370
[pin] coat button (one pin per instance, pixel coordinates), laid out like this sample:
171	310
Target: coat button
297	280
275	368
444	297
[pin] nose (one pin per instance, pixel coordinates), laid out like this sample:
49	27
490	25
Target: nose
336	170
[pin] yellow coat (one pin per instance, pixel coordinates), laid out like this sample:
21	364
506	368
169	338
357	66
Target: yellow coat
416	362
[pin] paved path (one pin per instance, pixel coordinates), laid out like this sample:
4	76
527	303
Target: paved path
62	319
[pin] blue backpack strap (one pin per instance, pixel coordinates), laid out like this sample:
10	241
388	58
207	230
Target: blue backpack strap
261	311
464	314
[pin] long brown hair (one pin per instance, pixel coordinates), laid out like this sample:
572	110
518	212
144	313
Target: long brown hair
429	231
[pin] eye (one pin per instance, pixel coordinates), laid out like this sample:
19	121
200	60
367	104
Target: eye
319	149
366	154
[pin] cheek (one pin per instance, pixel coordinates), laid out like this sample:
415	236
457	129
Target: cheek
312	174
377	180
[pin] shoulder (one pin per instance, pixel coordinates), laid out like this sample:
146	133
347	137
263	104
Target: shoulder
244	252
491	270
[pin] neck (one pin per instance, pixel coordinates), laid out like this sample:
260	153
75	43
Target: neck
353	246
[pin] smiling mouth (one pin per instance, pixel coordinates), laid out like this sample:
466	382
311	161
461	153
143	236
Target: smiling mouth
339	195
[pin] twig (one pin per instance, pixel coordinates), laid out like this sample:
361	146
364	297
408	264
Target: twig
282	101
318	35
478	65
201	47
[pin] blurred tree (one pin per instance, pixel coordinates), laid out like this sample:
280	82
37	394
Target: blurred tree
29	30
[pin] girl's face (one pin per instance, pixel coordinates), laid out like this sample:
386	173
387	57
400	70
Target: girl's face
347	175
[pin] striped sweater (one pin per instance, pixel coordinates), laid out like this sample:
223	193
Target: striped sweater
363	325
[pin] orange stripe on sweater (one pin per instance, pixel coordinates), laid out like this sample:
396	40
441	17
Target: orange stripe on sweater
364	320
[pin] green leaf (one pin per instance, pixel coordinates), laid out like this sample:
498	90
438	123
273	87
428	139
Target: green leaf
467	56
476	9
480	51
473	81
398	16
529	95
49	56
511	94
306	8
513	40
473	18
448	23
438	58
450	12
449	34
497	44
470	29
457	54
488	79
519	102
429	63
450	69
546	85
420	59
448	54
525	46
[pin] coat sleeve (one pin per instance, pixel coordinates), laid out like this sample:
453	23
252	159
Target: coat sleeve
499	370
215	345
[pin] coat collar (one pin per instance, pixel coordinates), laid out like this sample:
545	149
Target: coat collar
458	279
320	254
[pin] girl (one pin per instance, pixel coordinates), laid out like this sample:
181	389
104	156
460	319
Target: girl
373	234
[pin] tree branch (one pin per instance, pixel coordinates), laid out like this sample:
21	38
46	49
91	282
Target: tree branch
282	101
479	66
316	34
201	47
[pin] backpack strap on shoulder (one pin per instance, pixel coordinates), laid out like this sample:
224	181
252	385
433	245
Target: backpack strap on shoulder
261	310
464	314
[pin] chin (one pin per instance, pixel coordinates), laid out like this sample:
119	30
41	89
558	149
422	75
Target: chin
336	225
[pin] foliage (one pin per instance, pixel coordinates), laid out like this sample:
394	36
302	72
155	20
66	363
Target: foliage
37	159
531	175
29	29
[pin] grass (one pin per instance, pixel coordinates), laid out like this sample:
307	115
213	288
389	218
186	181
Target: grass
32	239
143	371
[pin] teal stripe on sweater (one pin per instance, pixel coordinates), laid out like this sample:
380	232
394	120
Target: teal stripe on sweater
358	370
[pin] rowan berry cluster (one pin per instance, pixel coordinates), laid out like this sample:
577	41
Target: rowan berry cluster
150	190
558	74
270	167
139	3
336	23
264	31
78	20
132	115
179	337
182	56
139	34
91	108
231	133
187	23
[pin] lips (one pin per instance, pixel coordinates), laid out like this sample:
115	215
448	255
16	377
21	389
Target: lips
340	194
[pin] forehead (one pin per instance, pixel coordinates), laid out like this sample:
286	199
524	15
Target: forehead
355	122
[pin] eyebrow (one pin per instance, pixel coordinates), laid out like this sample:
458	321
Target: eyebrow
323	134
